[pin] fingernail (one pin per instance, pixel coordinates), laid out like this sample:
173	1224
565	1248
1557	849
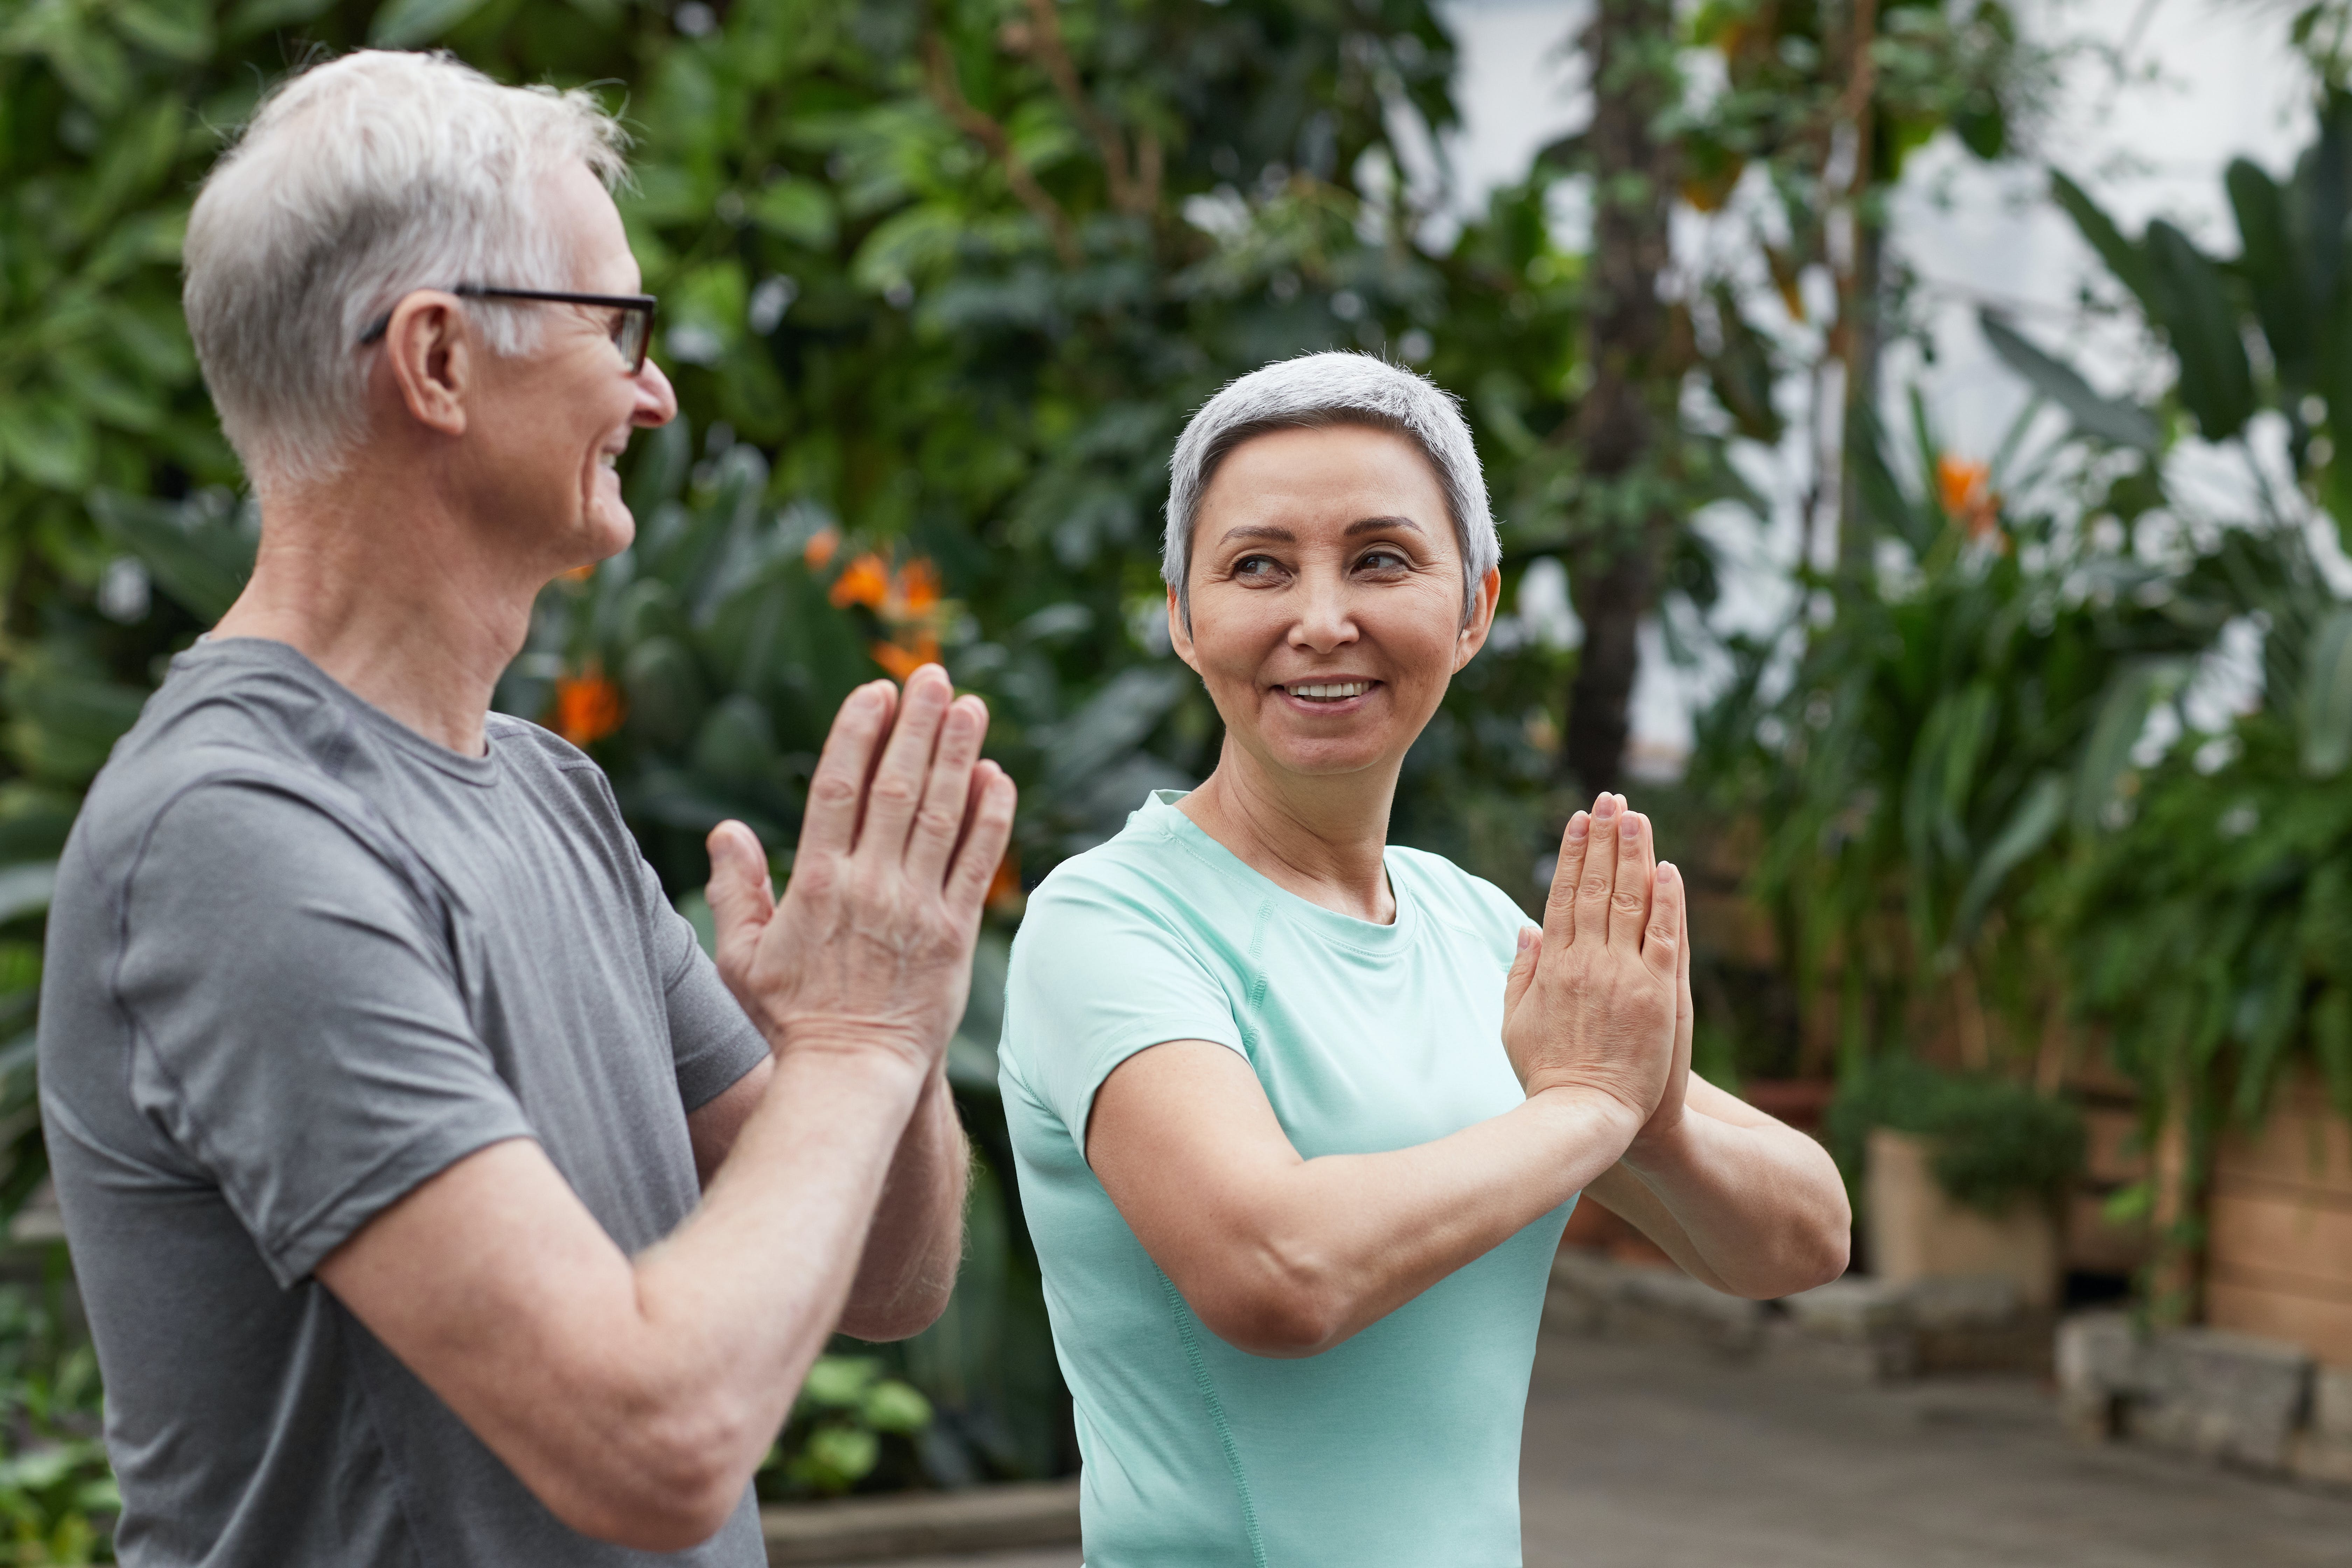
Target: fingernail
1578	826
1666	872
1630	825
1606	808
1527	937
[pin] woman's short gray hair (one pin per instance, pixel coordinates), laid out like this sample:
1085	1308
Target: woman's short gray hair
1310	393
357	182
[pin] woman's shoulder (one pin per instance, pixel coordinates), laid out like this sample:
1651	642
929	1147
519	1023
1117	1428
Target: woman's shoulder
1468	903
1145	876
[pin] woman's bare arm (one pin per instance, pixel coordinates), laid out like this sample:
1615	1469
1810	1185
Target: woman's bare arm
1744	1202
1285	1256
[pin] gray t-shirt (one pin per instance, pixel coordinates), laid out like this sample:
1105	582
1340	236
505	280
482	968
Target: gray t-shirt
299	960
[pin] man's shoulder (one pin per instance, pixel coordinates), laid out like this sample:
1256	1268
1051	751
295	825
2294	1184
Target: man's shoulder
239	744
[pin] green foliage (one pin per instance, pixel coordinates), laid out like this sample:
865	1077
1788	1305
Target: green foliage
1994	1141
57	1494
2287	288
2211	933
845	1413
940	284
1943	732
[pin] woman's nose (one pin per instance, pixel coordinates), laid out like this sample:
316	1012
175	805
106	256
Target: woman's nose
1325	620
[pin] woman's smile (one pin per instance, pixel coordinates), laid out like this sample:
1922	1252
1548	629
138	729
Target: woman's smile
1328	697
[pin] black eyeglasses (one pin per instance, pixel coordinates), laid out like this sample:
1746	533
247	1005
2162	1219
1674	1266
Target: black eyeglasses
633	327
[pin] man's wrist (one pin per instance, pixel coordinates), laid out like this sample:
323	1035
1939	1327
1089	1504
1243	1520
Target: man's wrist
867	1046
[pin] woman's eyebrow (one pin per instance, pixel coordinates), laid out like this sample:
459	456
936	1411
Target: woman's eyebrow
1379	524
1260	531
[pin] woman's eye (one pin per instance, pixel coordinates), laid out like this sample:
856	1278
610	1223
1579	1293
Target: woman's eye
1384	561
1253	566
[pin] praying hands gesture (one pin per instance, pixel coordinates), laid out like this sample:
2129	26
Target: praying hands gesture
1600	999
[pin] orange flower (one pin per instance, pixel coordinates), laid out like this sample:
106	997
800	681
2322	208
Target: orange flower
864	581
901	659
1958	482
818	552
1965	490
579	574
587	707
918	588
1004	887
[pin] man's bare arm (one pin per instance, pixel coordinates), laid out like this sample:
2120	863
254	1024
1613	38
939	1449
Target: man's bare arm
908	1267
634	1397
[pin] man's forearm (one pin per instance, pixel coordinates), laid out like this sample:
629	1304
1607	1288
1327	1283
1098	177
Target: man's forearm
908	1267
746	1292
1755	1211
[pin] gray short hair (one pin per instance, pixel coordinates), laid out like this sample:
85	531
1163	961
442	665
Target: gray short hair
357	182
1310	393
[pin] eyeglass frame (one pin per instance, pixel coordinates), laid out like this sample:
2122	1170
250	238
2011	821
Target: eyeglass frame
641	304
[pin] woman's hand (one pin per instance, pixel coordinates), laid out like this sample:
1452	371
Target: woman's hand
1591	1001
872	943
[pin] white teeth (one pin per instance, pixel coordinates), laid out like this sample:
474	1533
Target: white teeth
1331	690
610	459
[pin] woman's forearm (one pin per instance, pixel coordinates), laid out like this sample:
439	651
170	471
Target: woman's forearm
1754	1210
1340	1242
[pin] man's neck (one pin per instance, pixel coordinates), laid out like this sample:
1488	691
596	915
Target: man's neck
1323	838
399	601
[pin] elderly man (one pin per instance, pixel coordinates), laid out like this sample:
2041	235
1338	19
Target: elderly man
432	1199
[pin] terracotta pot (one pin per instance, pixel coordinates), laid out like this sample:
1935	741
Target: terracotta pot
2279	1227
1917	1233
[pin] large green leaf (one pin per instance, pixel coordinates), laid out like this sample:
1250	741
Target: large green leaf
2107	751
2216	383
2116	420
2039	813
2276	271
199	556
2326	706
2126	260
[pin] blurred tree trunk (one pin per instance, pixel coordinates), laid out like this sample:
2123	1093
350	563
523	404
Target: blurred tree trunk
1860	285
1625	423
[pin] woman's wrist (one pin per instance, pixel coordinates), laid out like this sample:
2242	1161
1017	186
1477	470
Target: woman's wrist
1593	1120
1656	1149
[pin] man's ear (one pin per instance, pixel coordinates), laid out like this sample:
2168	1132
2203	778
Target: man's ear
1473	636
1179	634
429	350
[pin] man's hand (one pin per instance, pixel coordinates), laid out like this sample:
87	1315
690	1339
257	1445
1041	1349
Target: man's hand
1591	1002
872	943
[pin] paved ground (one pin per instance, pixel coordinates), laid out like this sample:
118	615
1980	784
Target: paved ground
1648	1458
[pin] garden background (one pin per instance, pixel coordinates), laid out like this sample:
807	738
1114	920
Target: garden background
2038	780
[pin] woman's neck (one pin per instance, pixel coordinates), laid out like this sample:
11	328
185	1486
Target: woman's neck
1322	839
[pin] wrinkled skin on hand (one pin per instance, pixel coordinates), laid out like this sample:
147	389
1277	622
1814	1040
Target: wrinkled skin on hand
1598	999
871	945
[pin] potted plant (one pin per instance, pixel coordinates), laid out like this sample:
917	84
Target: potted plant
1960	1175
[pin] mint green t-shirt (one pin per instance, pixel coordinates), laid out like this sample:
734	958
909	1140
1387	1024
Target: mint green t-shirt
1400	1445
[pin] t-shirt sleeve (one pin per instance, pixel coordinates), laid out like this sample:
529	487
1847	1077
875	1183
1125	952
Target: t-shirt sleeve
297	1025
713	1042
1095	978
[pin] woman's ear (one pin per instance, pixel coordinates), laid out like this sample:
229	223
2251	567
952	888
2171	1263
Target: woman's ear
1180	631
1481	620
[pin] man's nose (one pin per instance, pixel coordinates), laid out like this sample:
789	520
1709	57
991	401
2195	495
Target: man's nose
656	399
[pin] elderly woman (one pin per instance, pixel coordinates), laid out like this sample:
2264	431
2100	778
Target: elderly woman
1299	1114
